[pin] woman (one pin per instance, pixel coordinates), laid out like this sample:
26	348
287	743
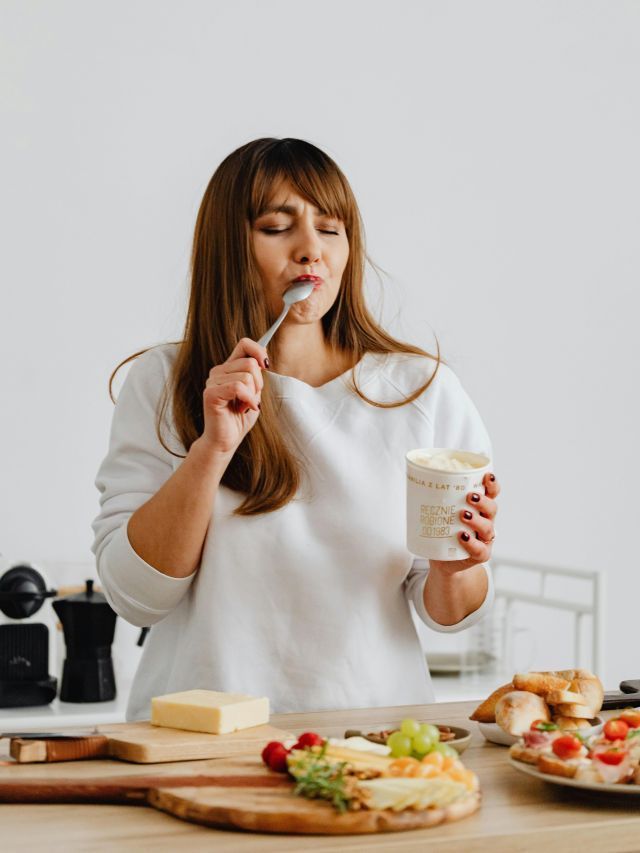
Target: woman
253	502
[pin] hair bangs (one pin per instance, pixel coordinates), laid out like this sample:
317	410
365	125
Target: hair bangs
312	174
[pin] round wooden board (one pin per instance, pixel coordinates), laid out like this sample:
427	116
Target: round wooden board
260	809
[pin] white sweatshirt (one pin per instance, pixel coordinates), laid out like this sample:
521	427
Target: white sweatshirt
308	605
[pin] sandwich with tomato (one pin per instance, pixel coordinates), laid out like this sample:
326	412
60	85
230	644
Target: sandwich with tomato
612	757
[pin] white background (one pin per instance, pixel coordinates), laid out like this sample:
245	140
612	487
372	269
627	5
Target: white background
493	148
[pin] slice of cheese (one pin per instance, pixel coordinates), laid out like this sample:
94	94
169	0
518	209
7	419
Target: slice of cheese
209	711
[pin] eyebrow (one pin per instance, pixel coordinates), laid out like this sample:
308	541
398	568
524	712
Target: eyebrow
290	210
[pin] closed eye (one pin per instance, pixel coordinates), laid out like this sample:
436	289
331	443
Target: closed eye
282	230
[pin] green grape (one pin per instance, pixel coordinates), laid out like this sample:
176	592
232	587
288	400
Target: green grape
431	731
399	744
422	744
409	727
445	749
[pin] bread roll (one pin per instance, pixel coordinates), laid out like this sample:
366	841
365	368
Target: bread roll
570	674
539	682
571	723
585	673
515	711
581	712
486	711
591	690
566	674
564	697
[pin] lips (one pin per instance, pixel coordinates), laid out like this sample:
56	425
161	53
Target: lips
316	279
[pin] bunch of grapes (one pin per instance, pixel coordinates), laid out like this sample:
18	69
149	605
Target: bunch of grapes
417	739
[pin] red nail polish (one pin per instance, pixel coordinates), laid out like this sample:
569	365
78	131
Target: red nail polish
492	477
266	362
468	515
464	537
475	498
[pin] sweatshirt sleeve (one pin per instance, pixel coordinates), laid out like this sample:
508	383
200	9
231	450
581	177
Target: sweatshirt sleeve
455	422
134	469
414	586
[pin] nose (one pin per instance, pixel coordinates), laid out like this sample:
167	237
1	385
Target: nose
307	250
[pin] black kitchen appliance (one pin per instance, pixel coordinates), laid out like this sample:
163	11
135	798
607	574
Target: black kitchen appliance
25	655
628	697
89	624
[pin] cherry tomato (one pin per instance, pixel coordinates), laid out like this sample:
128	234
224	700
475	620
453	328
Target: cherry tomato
277	758
266	752
615	729
567	746
631	716
610	756
310	739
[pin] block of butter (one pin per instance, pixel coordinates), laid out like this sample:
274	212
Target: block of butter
209	711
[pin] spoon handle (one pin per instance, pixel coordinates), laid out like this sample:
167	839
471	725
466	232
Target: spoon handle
264	340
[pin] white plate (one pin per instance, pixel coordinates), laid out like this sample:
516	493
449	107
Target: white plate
602	787
493	732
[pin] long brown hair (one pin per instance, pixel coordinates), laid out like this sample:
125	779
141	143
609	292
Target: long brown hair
226	303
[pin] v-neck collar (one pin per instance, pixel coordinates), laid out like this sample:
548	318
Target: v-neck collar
365	370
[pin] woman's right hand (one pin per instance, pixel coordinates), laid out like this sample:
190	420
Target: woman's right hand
231	398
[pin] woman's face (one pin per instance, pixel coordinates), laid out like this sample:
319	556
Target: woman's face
292	239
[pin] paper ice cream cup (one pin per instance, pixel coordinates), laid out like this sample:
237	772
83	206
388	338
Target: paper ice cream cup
435	498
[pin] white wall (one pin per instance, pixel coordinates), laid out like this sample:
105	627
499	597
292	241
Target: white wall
493	148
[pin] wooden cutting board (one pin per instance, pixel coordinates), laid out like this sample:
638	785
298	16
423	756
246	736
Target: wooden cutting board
230	793
143	743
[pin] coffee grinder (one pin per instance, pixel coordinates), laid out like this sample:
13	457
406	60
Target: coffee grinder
26	624
89	624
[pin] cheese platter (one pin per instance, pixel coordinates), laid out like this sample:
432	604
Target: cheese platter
407	777
315	786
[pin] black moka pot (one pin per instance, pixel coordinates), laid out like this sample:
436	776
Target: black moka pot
89	624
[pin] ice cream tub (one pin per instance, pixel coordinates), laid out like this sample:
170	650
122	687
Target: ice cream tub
438	482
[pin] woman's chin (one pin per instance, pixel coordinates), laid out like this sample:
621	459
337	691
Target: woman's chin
308	313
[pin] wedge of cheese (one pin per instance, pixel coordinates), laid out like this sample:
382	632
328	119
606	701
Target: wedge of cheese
209	711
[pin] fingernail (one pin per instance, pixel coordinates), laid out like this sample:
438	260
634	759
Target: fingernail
259	406
492	477
468	515
266	362
475	498
464	537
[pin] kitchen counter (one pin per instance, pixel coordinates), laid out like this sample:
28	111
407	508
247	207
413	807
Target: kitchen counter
518	813
64	714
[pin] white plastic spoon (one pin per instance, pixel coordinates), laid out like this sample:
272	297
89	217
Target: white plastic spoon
296	293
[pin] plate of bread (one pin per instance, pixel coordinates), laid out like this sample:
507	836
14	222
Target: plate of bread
569	699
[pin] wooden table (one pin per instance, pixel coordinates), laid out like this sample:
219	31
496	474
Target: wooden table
518	813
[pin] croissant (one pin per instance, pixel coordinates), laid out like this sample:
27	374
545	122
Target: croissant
486	711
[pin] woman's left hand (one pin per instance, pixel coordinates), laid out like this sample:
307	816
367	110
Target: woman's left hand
479	517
